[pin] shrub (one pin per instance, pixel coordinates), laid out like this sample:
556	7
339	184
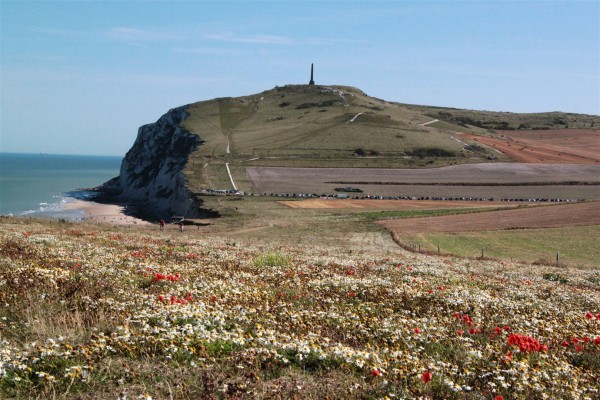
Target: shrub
555	278
271	259
423	152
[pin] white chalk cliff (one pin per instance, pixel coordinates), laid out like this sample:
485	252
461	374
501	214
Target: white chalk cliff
151	175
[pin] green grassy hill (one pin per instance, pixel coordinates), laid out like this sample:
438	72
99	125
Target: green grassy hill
339	126
490	120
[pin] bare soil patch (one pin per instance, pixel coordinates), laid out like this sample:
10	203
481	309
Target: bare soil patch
579	214
565	146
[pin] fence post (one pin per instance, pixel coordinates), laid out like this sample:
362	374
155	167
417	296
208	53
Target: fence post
438	249
482	252
557	258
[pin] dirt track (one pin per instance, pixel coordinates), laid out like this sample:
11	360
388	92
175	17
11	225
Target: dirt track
535	217
567	146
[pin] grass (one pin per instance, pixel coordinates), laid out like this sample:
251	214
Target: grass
274	128
577	246
403	214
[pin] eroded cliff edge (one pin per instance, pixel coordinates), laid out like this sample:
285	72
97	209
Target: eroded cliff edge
151	176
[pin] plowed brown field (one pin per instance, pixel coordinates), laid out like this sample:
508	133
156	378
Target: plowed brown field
534	217
566	146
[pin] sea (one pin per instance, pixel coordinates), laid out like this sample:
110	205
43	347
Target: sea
40	185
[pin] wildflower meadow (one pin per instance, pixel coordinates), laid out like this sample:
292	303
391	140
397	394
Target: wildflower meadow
108	313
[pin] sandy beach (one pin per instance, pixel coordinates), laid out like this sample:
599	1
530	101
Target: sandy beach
104	213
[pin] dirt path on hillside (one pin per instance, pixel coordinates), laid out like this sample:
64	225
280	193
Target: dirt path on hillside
533	217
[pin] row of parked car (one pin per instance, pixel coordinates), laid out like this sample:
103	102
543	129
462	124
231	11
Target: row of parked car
347	196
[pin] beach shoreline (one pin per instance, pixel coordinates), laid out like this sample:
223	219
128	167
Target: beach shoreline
101	213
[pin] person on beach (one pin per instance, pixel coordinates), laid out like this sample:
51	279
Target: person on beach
162	224
181	226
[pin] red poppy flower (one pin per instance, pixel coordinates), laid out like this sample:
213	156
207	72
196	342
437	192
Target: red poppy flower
426	377
498	398
460	332
417	330
526	344
589	315
375	372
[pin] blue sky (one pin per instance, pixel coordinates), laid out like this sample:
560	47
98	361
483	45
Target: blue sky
80	77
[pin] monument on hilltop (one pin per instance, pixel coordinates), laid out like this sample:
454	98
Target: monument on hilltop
312	81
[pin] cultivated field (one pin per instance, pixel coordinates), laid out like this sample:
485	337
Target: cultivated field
579	214
497	180
567	146
91	312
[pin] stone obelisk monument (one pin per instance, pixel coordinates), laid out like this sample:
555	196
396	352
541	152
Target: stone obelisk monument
312	81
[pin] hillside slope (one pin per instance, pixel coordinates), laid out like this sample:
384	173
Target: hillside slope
340	126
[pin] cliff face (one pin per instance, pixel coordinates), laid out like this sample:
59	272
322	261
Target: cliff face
151	176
